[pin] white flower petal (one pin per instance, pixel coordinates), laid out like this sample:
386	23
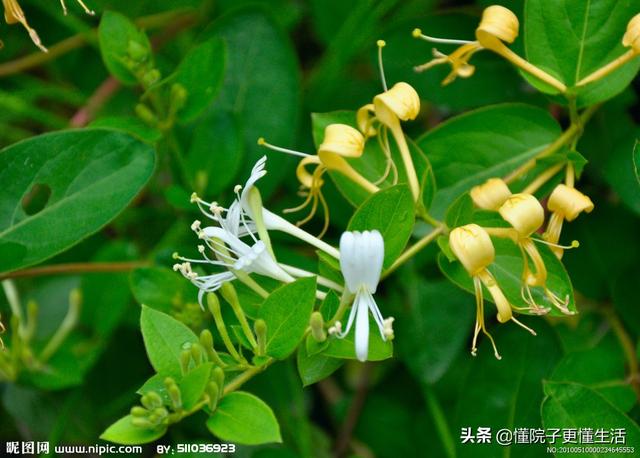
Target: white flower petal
362	327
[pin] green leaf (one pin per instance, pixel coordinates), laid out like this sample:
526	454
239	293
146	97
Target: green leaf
636	161
507	269
570	39
392	212
130	124
201	73
313	368
434	329
345	348
164	339
287	311
123	432
193	384
213	168
489	142
503	393
245	419
261	86
161	289
602	369
120	41
574	405
78	181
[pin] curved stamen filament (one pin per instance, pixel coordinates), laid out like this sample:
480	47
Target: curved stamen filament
381	44
263	142
81	3
477	283
417	33
574	244
523	326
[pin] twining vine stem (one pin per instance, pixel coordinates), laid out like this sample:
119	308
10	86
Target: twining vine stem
75	268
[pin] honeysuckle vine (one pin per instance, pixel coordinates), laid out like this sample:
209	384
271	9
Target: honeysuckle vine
235	262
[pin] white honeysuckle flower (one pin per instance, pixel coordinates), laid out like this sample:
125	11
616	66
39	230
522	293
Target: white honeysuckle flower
233	254
275	222
361	256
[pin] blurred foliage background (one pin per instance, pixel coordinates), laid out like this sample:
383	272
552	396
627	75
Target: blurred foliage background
286	59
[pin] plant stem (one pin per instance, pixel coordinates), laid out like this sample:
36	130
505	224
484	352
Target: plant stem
76	41
75	268
415	248
245	376
441	422
568	135
355	409
627	346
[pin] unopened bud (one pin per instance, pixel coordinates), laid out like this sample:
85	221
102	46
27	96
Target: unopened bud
217	376
213	390
178	96
145	113
317	327
138	411
260	328
141	422
151	400
137	51
196	354
185	361
150	77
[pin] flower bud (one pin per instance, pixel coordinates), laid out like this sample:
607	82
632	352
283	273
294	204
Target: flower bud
343	140
401	102
569	202
150	77
317	327
137	51
141	422
213	390
217	377
498	24
196	354
178	96
632	36
260	328
491	194
144	112
138	411
524	213
473	247
151	400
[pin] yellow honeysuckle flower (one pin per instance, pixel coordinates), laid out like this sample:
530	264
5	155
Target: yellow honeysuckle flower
472	246
14	14
491	194
498	26
400	103
630	39
340	141
526	216
565	203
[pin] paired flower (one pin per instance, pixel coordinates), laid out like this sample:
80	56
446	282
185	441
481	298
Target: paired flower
361	256
498	26
14	14
340	143
245	218
565	203
472	246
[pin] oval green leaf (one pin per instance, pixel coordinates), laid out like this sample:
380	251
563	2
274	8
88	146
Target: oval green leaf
83	178
287	311
164	338
245	419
